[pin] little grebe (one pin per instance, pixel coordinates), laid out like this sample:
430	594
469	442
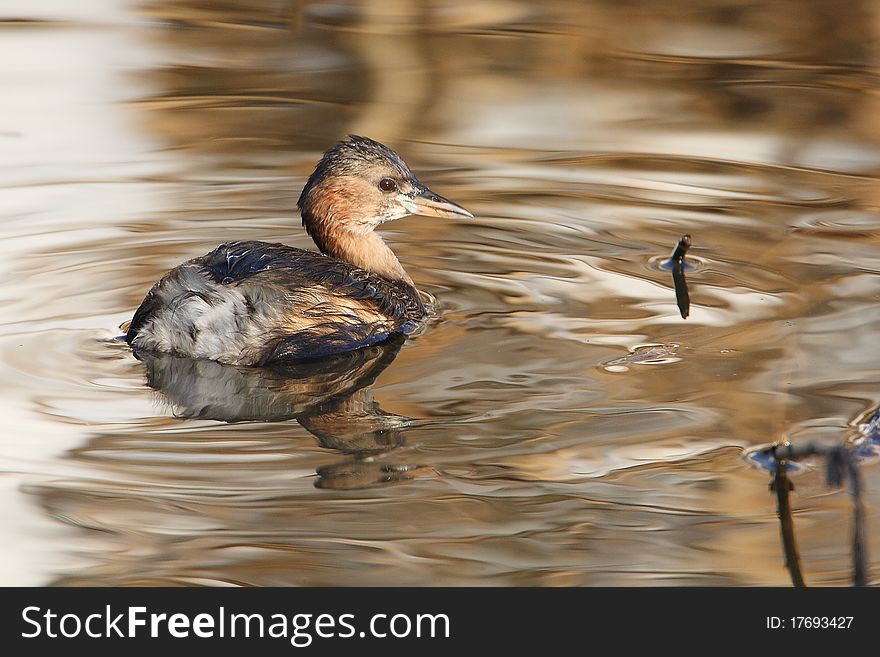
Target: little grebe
254	303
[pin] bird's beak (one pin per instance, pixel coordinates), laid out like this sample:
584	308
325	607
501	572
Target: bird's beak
428	204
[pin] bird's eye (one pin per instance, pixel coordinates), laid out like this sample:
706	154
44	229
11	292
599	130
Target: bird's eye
387	185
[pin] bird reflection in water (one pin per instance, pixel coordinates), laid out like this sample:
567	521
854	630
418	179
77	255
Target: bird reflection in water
330	398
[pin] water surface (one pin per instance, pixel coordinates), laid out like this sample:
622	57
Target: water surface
561	424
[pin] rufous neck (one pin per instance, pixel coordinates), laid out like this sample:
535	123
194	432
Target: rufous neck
366	250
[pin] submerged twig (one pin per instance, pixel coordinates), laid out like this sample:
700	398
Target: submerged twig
841	465
682	297
782	486
860	557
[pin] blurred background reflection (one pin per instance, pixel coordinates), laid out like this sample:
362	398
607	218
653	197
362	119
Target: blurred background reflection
561	424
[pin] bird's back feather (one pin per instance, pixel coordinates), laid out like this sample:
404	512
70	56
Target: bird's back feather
252	303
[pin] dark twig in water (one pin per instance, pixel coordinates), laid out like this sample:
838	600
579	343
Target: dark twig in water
782	486
860	556
681	249
682	297
841	465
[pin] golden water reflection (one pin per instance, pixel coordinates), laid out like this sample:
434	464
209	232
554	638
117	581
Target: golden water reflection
562	424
